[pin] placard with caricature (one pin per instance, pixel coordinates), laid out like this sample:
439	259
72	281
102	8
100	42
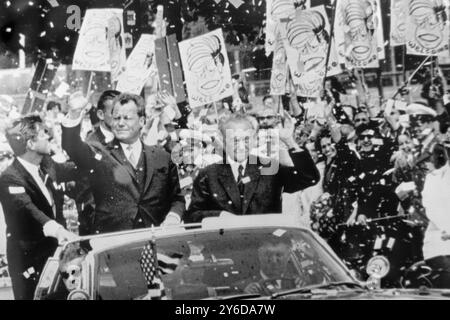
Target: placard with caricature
307	41
100	46
140	66
279	75
427	28
278	11
357	30
206	68
399	16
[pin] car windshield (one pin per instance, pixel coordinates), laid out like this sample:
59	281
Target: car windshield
218	264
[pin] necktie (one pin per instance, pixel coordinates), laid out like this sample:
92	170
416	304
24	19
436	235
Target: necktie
239	180
42	175
131	157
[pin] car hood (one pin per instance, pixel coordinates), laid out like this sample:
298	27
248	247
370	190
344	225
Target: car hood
388	294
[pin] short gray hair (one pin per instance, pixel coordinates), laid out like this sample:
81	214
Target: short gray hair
237	117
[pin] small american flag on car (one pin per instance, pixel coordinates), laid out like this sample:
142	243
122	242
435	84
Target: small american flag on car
154	265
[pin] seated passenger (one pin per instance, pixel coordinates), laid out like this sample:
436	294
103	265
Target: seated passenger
274	273
70	262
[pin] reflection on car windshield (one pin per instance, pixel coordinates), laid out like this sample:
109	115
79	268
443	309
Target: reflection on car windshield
218	264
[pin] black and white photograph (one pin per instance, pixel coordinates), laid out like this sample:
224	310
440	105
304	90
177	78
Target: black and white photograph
238	152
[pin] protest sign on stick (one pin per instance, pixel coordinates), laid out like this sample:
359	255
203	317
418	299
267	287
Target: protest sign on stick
356	32
169	67
279	74
40	84
280	11
100	46
427	28
307	41
160	24
206	68
399	16
140	66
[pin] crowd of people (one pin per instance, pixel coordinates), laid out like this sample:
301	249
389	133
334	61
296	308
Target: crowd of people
353	173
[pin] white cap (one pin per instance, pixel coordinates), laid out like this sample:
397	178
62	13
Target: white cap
420	110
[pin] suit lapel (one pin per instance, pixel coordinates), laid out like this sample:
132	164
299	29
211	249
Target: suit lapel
100	136
30	181
226	178
148	153
252	171
117	152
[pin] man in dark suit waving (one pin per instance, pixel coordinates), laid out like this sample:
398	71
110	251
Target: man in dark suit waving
134	185
101	134
32	200
248	184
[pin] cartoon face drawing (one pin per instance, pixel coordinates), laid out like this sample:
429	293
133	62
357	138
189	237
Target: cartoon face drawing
206	63
429	17
308	35
359	16
278	79
95	39
399	11
282	9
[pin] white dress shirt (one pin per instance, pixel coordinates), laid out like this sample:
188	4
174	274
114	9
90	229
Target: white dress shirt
51	228
134	149
33	170
235	167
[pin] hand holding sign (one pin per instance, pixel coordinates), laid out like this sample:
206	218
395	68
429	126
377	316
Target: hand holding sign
287	132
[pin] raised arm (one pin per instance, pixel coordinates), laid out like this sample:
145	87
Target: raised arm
297	169
78	151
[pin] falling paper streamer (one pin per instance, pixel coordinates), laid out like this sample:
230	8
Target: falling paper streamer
307	40
280	11
358	21
278	79
428	28
53	3
101	34
141	65
399	16
206	68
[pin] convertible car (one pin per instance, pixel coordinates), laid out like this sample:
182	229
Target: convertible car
243	257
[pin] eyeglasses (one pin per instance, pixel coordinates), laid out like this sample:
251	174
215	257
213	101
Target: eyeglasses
71	271
363	120
266	118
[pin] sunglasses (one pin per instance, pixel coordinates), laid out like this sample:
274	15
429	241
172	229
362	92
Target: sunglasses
266	118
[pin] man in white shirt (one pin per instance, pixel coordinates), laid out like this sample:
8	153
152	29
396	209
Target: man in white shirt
32	200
